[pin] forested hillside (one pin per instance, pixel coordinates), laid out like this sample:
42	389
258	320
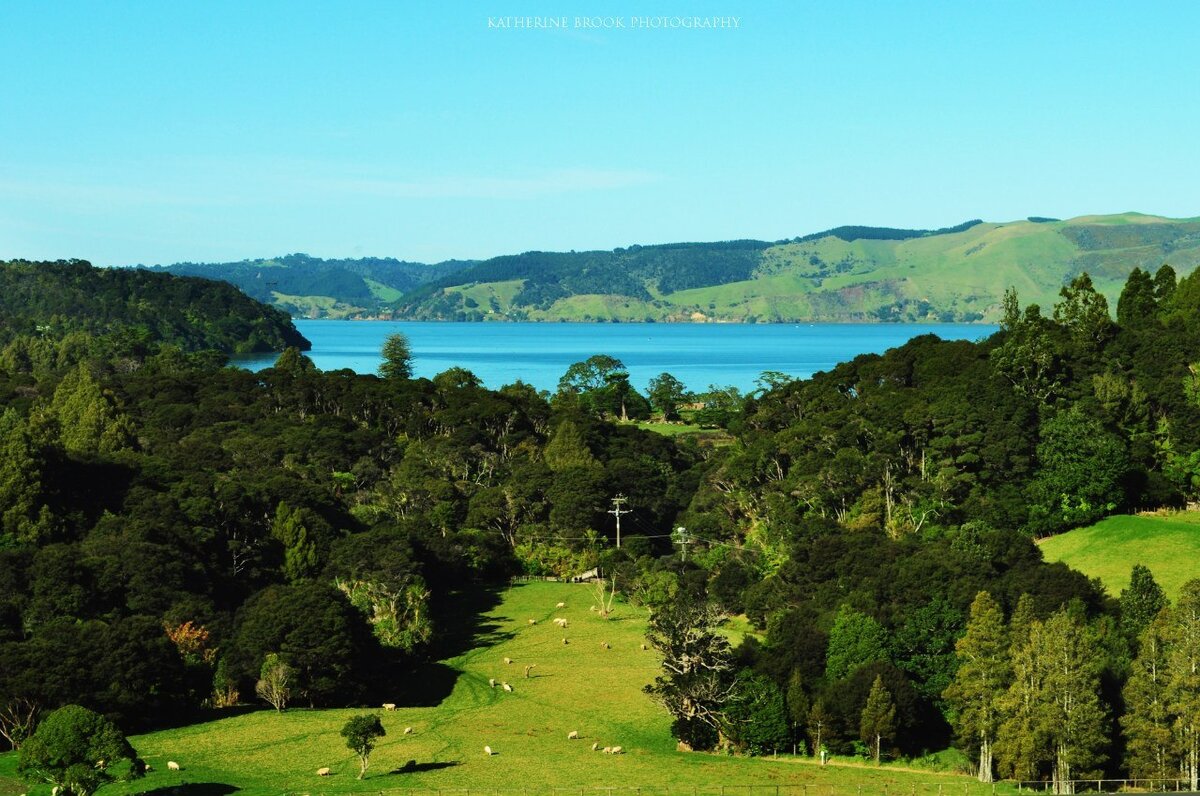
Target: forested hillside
850	273
72	300
312	287
173	532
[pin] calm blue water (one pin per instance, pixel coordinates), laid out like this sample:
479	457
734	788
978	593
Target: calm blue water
539	353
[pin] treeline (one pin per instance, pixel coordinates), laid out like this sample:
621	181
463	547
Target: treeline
549	276
72	300
853	233
346	280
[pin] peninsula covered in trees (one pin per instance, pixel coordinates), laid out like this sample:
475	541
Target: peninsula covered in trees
179	537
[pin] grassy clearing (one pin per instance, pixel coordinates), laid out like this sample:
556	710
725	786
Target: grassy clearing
1168	545
581	686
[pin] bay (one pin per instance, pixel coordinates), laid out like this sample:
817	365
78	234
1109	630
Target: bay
539	353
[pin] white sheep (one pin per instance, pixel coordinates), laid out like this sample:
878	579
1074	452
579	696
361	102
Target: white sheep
492	682
561	605
595	747
507	687
643	648
408	730
565	642
607	750
533	621
487	750
172	765
573	735
605	644
148	767
508	660
528	669
389	705
324	772
616	750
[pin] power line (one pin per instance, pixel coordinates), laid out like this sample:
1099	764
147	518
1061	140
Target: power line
617	511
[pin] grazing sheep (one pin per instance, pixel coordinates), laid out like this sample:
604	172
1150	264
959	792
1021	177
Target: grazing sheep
324	772
172	765
528	668
408	730
148	767
507	687
565	642
558	620
605	645
616	750
595	747
487	750
389	705
561	605
533	621
573	735
592	608
643	647
508	660
492	682
607	750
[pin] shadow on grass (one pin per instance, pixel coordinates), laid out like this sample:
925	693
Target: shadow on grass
413	767
193	789
462	626
461	623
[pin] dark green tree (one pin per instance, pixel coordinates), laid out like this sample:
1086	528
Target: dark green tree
1149	742
397	358
878	723
697	664
1138	303
755	718
854	641
361	733
1080	479
77	751
981	680
1141	601
666	394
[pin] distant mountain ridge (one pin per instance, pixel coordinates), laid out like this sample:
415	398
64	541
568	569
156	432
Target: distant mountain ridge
849	273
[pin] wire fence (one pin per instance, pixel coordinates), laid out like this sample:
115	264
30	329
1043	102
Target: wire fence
864	789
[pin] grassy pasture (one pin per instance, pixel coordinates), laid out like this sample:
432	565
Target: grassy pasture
581	686
1168	545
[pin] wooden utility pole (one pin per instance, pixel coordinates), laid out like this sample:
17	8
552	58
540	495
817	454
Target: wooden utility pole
617	511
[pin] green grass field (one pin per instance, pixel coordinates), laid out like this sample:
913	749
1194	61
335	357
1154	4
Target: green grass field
582	686
1168	546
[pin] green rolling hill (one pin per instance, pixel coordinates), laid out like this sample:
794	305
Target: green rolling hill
841	275
1167	546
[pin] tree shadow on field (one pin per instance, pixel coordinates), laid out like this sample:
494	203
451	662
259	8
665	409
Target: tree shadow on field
461	626
413	767
193	789
461	623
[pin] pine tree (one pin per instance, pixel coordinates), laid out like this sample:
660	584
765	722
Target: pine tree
878	722
1183	674
982	678
1053	705
1147	722
1141	602
797	703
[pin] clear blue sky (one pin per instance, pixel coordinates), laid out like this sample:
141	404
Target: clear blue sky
155	132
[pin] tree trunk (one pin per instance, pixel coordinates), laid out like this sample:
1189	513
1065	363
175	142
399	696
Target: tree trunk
985	760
